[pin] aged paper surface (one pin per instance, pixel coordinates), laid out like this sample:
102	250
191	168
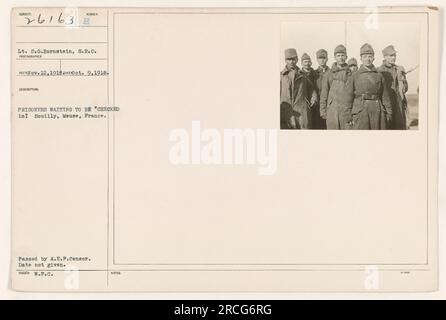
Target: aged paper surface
152	150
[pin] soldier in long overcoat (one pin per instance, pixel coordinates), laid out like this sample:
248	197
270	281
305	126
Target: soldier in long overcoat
396	83
312	92
321	71
334	84
295	110
352	65
367	98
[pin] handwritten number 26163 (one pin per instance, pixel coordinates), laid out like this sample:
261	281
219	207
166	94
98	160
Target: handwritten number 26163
58	19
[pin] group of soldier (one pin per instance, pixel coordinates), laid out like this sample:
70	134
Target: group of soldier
344	96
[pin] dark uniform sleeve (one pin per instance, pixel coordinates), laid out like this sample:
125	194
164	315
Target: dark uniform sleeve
349	98
405	85
314	93
386	97
401	75
300	91
325	88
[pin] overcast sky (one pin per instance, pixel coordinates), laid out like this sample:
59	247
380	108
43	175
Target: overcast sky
309	37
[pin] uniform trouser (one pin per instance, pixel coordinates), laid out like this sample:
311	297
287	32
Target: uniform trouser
317	122
407	115
370	117
400	117
335	118
290	119
285	115
300	120
305	118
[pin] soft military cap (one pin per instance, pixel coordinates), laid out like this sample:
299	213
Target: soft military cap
352	62
389	50
305	56
321	53
290	53
340	49
366	49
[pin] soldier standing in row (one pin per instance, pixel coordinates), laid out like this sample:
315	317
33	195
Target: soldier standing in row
352	65
367	98
322	70
312	93
396	84
334	84
294	106
403	86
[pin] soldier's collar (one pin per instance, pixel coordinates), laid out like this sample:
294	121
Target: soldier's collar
286	69
325	68
388	65
362	68
337	67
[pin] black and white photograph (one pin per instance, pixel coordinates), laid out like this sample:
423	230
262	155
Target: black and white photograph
349	75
